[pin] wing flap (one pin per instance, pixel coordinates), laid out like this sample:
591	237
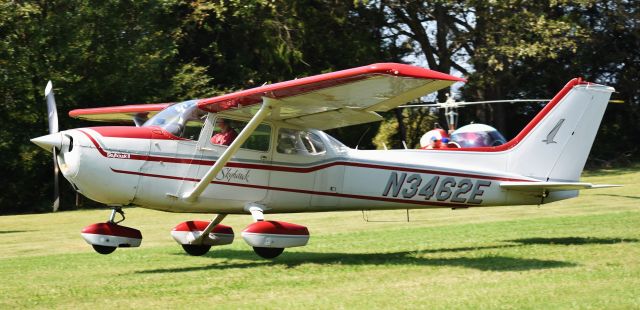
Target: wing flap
125	113
551	186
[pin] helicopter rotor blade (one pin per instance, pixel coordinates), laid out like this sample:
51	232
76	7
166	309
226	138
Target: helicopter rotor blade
502	101
464	103
422	105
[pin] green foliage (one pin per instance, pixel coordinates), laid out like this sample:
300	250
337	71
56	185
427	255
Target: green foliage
191	81
388	135
126	52
97	54
416	123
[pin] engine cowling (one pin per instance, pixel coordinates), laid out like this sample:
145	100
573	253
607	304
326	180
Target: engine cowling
275	234
187	232
112	235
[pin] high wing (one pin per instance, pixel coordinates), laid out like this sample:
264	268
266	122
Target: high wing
336	99
125	113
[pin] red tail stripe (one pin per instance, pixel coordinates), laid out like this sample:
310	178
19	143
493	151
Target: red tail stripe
532	124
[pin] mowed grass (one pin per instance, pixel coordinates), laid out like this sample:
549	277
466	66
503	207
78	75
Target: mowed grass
580	253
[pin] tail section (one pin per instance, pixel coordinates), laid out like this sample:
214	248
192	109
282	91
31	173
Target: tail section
554	146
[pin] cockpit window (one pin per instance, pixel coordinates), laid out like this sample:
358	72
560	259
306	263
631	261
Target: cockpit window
182	119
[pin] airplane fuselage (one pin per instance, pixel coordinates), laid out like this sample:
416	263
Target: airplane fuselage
149	167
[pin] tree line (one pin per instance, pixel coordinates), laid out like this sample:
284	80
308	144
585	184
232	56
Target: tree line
125	52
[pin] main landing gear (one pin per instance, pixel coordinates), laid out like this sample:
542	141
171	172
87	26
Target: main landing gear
106	237
268	238
197	237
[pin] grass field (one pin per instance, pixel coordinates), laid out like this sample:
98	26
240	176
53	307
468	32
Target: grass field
580	253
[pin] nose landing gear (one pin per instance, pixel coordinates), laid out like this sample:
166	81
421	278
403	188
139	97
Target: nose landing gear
106	237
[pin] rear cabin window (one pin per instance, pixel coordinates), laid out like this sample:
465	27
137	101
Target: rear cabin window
293	141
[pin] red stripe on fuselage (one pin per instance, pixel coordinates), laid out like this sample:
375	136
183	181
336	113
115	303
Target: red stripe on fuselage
301	169
300	191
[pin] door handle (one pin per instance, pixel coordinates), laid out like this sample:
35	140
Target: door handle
263	157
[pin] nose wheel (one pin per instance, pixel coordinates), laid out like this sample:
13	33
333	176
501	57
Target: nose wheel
106	237
105	249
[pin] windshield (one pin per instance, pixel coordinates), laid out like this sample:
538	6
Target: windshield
175	118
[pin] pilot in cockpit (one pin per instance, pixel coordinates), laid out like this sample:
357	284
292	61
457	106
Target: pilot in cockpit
226	135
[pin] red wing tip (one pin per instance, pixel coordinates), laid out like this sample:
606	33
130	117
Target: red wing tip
413	71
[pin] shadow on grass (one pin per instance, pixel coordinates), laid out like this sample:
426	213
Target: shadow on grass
417	258
621	196
571	240
294	259
13	231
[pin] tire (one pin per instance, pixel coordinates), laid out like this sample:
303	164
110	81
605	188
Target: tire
196	250
268	253
102	249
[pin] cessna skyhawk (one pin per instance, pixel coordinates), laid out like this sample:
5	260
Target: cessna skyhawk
280	160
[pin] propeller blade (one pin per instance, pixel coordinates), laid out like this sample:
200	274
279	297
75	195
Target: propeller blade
52	114
56	184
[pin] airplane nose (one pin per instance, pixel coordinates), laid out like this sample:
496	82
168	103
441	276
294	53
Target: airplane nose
49	141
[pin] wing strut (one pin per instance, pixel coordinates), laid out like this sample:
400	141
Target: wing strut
265	110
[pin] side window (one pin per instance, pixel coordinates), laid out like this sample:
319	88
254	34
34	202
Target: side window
189	124
291	141
192	128
259	140
312	142
225	131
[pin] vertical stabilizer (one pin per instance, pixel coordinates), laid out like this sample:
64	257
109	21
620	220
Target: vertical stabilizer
555	145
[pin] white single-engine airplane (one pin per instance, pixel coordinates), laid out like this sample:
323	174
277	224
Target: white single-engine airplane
278	160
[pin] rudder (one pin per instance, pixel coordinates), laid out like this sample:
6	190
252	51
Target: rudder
555	145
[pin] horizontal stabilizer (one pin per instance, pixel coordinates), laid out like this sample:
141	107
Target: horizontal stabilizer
551	186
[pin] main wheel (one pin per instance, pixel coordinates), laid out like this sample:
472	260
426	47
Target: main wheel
268	253
196	250
102	249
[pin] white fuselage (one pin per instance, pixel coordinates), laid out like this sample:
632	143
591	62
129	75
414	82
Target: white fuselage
150	168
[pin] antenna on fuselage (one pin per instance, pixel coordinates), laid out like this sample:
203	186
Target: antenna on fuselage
362	136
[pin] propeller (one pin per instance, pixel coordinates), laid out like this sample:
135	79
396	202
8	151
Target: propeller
52	113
